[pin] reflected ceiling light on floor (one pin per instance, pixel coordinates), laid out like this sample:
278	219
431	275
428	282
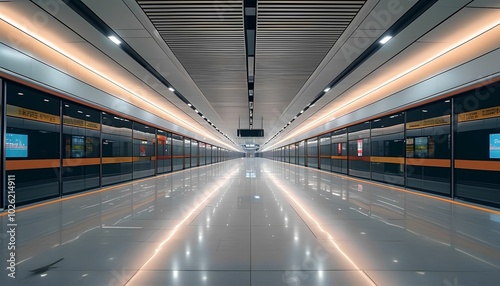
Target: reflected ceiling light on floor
319	226
114	40
385	39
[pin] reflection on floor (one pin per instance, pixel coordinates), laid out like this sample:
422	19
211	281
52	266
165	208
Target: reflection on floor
254	222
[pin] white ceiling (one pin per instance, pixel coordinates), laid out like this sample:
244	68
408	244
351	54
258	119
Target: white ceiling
301	46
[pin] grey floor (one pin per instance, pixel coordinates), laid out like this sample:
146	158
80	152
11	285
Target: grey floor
254	222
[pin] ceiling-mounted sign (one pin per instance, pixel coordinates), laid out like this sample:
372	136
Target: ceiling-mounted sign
250	132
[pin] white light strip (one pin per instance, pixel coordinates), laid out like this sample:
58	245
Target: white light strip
320	227
207	195
385	39
115	40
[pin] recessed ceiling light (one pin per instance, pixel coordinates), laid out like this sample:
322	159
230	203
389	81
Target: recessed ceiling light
79	111
87	115
196	110
302	111
424	110
20	93
67	105
189	104
385	39
171	89
115	40
326	89
46	100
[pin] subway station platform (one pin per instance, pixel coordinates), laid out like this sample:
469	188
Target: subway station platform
254	221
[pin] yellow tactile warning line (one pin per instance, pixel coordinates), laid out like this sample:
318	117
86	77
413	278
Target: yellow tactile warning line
464	204
83	194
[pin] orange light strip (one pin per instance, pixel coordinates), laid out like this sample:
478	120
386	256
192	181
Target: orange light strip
318	225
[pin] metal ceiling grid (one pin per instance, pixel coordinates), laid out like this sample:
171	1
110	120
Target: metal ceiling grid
208	39
293	37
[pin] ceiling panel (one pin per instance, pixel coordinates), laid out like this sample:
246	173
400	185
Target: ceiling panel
208	39
292	39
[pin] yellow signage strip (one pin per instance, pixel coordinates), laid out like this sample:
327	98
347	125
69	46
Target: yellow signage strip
71	121
25	113
430	122
485	113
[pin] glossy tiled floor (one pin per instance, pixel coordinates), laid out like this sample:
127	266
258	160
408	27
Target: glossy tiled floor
254	222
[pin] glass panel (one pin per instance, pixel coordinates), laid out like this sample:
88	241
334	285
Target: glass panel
194	153
164	151
116	149
312	152
287	154
81	145
202	154
178	152
325	152
339	151
428	145
302	153
144	151
293	155
209	154
359	150
477	145
32	143
214	154
187	153
388	149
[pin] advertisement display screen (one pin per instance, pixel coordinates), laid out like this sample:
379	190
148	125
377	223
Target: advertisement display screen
360	147
77	146
494	146
16	145
421	149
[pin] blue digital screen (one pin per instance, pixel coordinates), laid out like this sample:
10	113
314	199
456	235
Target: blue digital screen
16	145
494	146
